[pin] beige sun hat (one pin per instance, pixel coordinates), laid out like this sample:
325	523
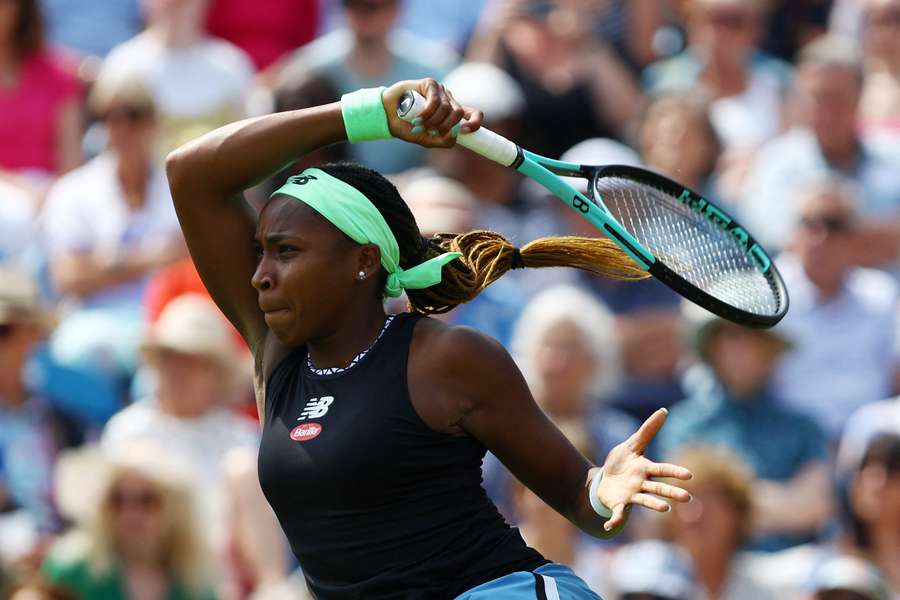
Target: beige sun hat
192	324
20	299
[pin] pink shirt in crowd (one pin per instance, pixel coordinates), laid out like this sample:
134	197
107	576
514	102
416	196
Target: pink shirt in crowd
264	34
28	129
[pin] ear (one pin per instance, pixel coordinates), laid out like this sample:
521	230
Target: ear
369	260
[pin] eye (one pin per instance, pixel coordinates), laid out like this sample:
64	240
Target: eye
258	251
286	248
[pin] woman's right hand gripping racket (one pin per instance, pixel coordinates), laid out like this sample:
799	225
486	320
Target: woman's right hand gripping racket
679	237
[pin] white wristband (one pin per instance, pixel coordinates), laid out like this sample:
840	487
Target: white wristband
598	506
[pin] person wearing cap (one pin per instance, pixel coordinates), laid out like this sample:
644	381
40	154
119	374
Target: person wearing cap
32	430
731	404
200	368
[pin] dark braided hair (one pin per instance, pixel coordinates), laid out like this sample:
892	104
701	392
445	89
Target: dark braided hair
486	255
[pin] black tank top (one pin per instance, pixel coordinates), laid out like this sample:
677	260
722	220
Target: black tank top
374	503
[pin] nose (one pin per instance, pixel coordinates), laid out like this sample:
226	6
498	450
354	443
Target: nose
263	278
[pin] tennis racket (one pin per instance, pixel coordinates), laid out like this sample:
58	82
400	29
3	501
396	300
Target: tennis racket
679	237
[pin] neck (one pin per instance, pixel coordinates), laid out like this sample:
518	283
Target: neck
371	58
133	171
178	31
168	405
12	390
712	568
725	79
354	334
886	553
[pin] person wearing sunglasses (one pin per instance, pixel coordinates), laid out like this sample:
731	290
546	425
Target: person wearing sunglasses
108	226
139	539
842	318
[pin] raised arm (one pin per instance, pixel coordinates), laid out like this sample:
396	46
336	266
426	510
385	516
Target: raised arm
208	176
489	400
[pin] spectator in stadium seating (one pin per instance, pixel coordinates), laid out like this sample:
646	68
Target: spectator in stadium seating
870	420
200	368
92	27
108	225
791	24
744	85
265	35
198	82
678	140
442	205
565	343
646	311
824	140
730	405
848	578
843	317
575	85
880	103
32	431
40	100
141	538
18	208
651	570
714	526
370	52
874	507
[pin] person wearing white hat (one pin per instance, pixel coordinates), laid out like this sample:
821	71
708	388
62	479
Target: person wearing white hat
199	368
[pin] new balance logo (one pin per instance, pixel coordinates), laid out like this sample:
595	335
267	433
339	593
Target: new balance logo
315	408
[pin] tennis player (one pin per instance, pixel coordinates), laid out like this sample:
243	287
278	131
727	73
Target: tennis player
375	426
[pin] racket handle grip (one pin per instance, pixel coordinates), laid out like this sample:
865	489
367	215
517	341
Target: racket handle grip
482	141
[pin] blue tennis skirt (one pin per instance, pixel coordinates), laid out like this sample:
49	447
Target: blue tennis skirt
549	582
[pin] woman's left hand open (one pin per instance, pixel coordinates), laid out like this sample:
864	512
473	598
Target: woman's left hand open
627	475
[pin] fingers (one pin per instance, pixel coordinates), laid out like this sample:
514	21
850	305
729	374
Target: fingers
617	518
668	470
641	438
651	502
471	120
665	490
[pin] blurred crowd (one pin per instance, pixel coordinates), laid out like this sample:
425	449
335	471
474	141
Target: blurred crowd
127	426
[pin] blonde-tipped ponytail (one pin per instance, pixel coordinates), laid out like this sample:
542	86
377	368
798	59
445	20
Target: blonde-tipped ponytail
487	256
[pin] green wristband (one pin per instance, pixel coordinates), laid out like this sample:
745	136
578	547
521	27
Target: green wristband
364	116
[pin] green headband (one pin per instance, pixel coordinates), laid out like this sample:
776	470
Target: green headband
349	210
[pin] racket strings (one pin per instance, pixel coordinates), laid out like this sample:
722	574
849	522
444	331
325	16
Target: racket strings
488	255
689	244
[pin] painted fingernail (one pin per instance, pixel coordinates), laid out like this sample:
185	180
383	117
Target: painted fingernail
668	508
465	129
455	131
607	527
417	130
690	498
417	121
432	132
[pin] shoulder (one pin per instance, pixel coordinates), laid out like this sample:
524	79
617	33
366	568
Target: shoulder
442	347
85	177
875	289
227	55
131	421
67	560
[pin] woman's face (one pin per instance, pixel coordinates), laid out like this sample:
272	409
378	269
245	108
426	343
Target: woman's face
137	509
306	275
565	366
130	129
192	382
725	31
709	520
675	142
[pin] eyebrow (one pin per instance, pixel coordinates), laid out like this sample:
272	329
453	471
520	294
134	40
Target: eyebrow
274	238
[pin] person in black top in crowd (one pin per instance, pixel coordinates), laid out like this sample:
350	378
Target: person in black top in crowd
374	427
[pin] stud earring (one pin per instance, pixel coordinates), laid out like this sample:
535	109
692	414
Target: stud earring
361	275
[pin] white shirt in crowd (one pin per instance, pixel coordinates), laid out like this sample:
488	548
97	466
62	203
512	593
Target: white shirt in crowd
203	442
86	212
17	210
845	353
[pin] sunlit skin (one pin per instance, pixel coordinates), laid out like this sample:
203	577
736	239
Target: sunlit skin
829	100
301	285
742	358
188	385
826	256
